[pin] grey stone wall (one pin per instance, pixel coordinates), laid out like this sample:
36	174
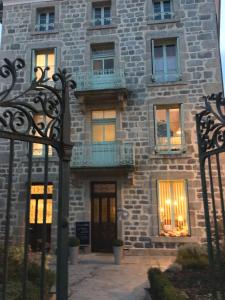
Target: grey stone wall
132	31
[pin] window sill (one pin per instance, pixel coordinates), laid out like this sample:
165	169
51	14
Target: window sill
44	32
92	27
170	83
180	155
159	22
175	239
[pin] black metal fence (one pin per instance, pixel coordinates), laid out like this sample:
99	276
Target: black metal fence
48	98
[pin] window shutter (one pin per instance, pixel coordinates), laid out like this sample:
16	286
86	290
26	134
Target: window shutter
33	64
156	129
153	60
182	125
178	59
56	59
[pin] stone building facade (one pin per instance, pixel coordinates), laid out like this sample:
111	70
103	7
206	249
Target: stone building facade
141	68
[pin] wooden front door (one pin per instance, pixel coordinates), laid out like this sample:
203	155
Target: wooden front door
103	216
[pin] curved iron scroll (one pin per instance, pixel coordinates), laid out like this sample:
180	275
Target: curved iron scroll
44	96
211	124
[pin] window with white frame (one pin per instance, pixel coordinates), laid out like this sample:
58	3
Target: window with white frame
169	128
45	19
102	14
173	208
102	57
165	60
41	122
162	9
44	58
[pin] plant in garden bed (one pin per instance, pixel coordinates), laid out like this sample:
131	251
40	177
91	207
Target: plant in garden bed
15	273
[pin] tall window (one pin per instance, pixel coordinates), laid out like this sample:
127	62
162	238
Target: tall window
39	149
173	208
103	59
165	56
103	126
44	58
168	128
45	20
101	15
162	9
36	218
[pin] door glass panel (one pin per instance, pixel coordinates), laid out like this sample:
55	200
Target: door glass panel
104	210
109	66
112	210
51	64
96	210
97	133
40	211
175	128
109	114
49	212
161	126
171	58
32	211
110	133
97	67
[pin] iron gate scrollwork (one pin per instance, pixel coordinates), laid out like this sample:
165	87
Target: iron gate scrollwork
211	143
49	98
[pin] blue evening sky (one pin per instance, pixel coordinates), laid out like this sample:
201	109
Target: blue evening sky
222	37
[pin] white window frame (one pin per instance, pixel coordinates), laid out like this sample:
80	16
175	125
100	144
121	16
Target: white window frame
166	75
162	13
168	148
48	26
102	19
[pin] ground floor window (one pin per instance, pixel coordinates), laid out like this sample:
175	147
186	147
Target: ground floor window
36	218
173	207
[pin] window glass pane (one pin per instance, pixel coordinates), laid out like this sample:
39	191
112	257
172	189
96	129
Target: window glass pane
158	60
39	189
166	6
97	133
97	114
109	114
109	66
104	210
161	120
171	58
107	12
173	208
97	12
97	67
51	64
51	17
175	126
157	11
40	62
43	18
110	133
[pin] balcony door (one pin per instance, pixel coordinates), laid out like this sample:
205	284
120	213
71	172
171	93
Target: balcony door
103	216
103	148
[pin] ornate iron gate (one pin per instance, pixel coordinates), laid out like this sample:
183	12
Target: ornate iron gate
211	144
18	124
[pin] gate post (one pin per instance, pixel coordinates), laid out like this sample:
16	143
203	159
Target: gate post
65	153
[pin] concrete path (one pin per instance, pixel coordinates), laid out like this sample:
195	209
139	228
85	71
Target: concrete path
97	277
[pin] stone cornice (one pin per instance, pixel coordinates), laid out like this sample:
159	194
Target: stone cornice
18	2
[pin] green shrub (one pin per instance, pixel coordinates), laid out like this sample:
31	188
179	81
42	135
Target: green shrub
118	243
74	242
161	287
192	257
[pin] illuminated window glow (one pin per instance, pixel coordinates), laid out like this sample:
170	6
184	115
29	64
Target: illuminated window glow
173	210
103	126
44	58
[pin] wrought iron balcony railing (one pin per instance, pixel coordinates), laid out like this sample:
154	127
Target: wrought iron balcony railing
89	81
112	154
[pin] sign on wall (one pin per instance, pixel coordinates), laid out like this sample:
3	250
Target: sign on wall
83	232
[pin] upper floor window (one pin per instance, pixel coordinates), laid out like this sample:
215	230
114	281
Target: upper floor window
103	126
168	128
173	207
102	15
165	60
162	9
103	59
44	58
45	20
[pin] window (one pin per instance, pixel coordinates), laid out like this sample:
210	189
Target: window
44	58
102	15
162	9
103	126
103	59
165	64
36	216
45	20
39	149
173	208
168	128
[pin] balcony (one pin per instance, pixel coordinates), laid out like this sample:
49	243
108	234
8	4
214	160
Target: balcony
107	85
103	155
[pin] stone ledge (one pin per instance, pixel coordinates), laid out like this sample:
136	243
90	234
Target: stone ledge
111	26
162	22
44	32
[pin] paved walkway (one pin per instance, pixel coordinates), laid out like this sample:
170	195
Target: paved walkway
97	277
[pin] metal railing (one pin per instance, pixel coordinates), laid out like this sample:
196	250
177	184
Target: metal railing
107	80
113	154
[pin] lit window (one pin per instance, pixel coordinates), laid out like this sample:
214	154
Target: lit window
45	20
168	128
162	9
44	58
173	208
103	126
166	66
101	15
42	122
103	59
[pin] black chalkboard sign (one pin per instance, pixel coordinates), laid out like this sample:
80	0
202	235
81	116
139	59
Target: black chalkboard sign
83	232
